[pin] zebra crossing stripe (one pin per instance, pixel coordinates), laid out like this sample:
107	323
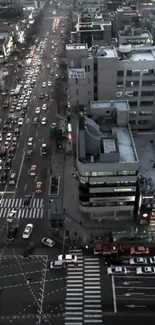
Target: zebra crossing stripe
35	210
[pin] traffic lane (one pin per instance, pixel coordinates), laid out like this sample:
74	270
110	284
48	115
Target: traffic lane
106	287
3	231
128	319
135	291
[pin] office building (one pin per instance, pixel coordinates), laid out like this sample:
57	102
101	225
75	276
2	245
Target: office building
126	16
107	73
107	161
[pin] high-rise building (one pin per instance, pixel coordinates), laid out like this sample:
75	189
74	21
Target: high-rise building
107	161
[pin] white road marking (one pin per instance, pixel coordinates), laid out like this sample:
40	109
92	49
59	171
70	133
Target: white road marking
114	294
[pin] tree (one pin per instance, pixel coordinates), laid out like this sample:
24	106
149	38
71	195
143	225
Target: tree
58	94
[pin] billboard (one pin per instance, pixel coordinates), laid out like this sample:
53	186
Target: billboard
76	73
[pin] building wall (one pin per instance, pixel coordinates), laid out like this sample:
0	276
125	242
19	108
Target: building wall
112	78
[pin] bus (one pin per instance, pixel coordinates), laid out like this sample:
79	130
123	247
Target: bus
18	89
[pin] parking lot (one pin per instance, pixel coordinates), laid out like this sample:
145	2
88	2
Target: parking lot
27	289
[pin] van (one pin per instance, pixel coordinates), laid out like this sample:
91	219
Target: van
56	265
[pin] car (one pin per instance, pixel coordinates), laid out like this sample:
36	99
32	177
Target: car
12	233
11	152
6	145
138	250
57	265
44	84
16	132
30	142
152	259
43	149
52	72
32	171
113	260
35	121
28	154
48	66
8	164
27	231
46	96
41	96
145	270
44	120
48	242
49	84
68	258
14	142
1	137
20	121
1	164
11	215
37	111
27	200
12	179
116	270
9	136
29	250
39	187
137	260
44	107
18	107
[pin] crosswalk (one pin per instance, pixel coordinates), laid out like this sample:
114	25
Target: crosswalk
18	203
35	211
83	292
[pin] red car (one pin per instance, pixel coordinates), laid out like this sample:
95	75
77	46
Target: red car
139	250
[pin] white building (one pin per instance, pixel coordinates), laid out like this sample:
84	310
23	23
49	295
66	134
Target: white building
107	161
108	73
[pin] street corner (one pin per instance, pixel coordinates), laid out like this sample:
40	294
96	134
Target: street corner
25	280
134	294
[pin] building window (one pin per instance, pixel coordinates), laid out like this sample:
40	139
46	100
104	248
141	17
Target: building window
132	122
88	68
129	73
148	72
76	81
120	84
146	103
119	94
147	93
132	83
120	73
77	92
148	83
85	68
133	104
133	113
146	113
131	93
144	122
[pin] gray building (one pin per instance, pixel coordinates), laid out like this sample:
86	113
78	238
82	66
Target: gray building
126	16
107	73
107	161
135	36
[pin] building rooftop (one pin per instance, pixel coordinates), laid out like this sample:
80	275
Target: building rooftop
104	138
135	33
145	145
76	46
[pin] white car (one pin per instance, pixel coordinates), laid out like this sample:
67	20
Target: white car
27	231
1	137
137	260
48	66
152	260
20	121
148	270
44	84
11	215
116	270
30	142
44	120
1	164
48	242
18	107
37	111
68	258
8	136
49	84
44	107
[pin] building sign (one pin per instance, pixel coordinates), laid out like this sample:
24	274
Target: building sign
76	73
